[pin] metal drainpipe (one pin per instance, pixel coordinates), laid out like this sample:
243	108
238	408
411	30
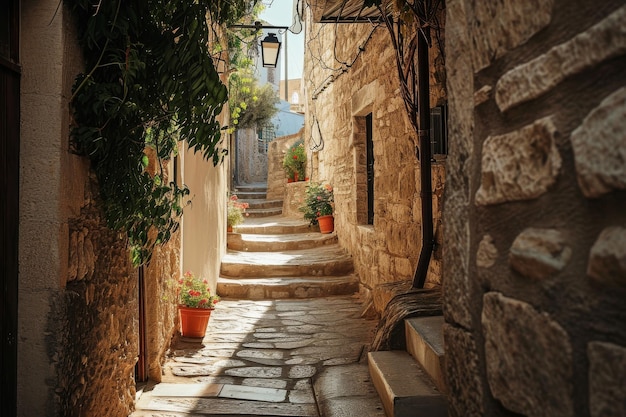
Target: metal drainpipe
426	195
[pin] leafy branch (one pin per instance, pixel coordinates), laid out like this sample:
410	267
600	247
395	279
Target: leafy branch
150	83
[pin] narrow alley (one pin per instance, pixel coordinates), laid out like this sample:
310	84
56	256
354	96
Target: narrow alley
270	358
287	339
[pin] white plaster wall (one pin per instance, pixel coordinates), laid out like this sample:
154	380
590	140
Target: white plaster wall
204	220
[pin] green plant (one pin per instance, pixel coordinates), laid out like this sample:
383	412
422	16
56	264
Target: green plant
194	292
236	211
149	82
250	105
295	160
318	201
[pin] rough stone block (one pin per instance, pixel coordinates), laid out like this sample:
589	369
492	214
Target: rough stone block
460	162
487	253
599	145
607	379
462	373
602	41
529	366
520	165
539	253
607	260
499	26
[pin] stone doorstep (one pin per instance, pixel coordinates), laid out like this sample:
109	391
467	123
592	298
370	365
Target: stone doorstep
424	341
278	243
404	388
286	287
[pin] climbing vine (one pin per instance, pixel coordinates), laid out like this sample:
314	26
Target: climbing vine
149	81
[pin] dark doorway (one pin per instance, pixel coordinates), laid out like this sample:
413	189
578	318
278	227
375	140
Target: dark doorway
9	200
141	368
369	143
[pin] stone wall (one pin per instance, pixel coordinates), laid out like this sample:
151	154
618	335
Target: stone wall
339	97
78	304
99	345
534	253
294	198
276	177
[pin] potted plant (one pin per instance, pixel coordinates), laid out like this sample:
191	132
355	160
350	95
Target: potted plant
236	211
294	161
195	304
318	206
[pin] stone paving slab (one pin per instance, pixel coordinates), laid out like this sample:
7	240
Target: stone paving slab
212	407
264	358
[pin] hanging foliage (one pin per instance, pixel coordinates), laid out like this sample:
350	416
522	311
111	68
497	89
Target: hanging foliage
251	105
149	81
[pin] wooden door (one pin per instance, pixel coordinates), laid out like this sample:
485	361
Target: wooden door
9	200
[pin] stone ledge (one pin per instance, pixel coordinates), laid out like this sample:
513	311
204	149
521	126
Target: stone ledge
404	388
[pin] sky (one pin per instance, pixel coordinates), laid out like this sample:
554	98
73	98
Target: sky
279	13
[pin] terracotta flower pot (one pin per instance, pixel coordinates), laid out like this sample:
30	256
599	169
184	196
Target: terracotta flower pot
193	321
327	223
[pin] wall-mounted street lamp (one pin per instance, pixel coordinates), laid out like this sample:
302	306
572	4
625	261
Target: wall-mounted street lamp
270	48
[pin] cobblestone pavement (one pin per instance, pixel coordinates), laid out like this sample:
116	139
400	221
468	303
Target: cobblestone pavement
302	358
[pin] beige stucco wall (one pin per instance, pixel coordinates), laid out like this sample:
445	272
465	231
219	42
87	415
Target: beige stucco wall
48	194
535	244
204	219
339	96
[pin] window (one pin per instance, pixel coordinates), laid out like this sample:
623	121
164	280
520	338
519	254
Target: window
369	145
265	135
363	142
439	130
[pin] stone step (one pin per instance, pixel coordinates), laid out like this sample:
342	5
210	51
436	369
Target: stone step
250	195
286	287
261	204
275	225
329	260
424	341
404	388
247	188
264	212
279	243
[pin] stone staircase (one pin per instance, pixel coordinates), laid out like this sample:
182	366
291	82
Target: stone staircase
271	256
255	196
411	382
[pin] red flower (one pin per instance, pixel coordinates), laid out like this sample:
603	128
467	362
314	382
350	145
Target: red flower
295	157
